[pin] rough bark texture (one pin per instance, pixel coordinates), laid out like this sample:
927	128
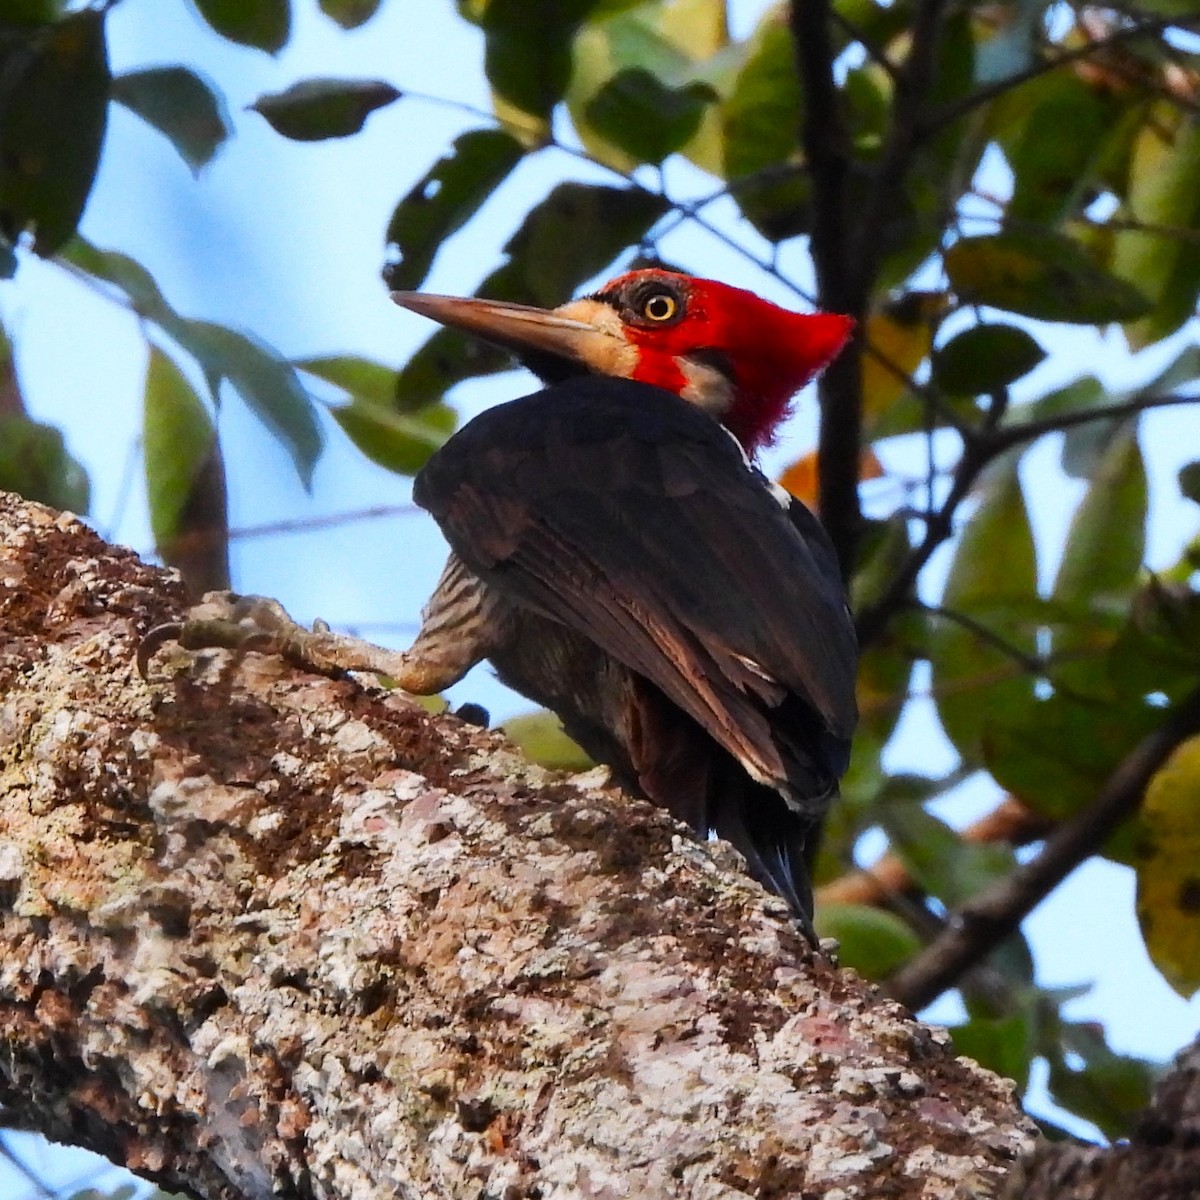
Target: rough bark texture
1160	1162
264	933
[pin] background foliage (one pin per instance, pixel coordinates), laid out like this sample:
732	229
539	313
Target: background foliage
987	187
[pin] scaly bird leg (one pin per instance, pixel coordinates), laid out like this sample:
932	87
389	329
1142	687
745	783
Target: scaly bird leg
459	626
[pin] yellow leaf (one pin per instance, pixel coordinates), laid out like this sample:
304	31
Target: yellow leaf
898	339
540	737
1168	869
697	27
803	481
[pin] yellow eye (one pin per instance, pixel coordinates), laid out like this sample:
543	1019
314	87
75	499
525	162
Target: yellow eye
660	307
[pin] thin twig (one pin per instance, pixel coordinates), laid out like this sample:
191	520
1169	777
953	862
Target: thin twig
980	449
960	108
1010	822
306	524
896	156
981	924
1008	436
1032	664
872	51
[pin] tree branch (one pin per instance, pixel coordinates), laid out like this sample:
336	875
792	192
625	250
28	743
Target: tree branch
908	105
980	448
840	287
1158	1162
1009	822
987	920
960	108
267	934
1005	437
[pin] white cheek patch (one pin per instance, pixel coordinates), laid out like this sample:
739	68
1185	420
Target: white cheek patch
608	350
708	387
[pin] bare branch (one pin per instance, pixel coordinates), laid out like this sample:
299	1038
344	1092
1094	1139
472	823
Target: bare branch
980	925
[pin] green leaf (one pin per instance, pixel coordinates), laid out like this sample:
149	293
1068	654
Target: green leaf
872	942
54	85
185	478
316	109
646	118
574	233
762	115
1042	275
360	377
264	381
35	463
401	442
1005	1045
349	14
264	24
540	737
1189	481
126	273
938	859
1163	259
985	359
179	438
528	48
449	194
760	122
679	42
1111	1090
1103	555
1052	174
992	582
1054	755
180	104
1168	869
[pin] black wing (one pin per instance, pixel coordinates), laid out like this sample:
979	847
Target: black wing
630	516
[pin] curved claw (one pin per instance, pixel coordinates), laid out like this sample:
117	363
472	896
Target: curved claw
155	639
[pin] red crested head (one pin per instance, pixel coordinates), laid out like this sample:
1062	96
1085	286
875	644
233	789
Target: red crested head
735	355
738	356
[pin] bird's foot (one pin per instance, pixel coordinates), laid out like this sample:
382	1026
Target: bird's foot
225	620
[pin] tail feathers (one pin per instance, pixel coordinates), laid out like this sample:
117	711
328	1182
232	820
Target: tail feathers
677	764
770	836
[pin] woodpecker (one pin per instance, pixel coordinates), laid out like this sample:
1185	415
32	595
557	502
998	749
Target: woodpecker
619	559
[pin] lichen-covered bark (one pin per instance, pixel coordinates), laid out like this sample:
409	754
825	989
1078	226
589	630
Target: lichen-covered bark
264	933
1161	1161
